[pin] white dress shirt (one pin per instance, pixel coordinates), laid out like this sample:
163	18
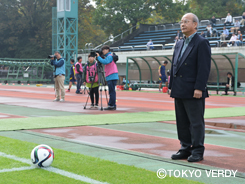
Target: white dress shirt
228	18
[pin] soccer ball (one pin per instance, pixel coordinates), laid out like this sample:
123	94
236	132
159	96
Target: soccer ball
42	155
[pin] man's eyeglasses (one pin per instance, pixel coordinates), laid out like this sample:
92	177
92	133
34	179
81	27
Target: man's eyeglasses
184	22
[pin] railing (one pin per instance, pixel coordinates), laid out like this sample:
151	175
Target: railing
25	70
204	22
120	36
237	18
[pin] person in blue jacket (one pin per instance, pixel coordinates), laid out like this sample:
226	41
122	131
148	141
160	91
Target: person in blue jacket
59	76
111	73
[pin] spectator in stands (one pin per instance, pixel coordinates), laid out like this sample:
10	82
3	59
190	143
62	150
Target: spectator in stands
149	47
179	34
213	21
203	34
233	40
111	38
236	27
230	83
223	44
225	34
162	75
209	30
239	38
243	19
228	19
215	32
175	41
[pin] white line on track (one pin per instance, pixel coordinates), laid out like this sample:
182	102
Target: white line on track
50	169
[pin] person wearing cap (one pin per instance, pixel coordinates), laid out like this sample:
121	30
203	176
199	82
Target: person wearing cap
111	73
91	77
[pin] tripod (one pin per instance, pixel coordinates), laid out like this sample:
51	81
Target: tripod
101	82
84	90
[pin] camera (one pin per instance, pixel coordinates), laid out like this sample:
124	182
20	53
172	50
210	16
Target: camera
52	56
93	53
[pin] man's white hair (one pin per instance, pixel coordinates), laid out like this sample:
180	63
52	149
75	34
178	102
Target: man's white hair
195	19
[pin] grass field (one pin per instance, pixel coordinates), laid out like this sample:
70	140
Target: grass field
69	167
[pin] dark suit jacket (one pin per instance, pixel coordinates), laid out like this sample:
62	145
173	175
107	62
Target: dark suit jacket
192	71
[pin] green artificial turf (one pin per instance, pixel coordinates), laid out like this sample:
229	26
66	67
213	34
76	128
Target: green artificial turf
6	163
94	168
33	112
37	176
101	119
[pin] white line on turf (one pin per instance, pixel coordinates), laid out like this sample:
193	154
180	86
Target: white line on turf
50	169
73	176
23	160
17	169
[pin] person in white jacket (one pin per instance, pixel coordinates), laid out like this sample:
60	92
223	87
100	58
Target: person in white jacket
228	20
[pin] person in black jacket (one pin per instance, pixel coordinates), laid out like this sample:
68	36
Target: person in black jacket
188	80
230	83
213	21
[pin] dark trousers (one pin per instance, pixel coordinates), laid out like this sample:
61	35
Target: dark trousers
112	92
226	90
79	82
190	124
94	92
227	23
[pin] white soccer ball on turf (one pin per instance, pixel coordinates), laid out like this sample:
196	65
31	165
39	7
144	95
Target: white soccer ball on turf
42	155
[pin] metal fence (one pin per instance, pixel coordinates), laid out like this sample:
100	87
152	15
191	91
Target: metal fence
25	70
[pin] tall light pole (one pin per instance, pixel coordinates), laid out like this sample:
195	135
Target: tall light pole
66	34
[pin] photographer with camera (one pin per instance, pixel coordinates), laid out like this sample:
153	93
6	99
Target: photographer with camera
91	80
59	75
111	73
79	73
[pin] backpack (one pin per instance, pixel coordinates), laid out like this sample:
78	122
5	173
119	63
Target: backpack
115	57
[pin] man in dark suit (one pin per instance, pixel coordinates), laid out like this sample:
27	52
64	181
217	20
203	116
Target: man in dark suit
189	75
230	83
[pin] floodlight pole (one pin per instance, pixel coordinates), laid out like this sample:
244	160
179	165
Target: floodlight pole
67	31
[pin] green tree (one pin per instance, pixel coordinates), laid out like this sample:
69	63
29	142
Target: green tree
115	16
219	8
87	31
171	11
26	28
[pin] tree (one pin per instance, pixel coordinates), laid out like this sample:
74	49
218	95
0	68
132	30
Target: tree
87	31
116	16
26	28
219	8
171	11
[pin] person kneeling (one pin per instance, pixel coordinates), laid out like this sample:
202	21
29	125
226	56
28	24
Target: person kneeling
91	78
111	73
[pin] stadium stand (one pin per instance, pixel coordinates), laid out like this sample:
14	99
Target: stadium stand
163	36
